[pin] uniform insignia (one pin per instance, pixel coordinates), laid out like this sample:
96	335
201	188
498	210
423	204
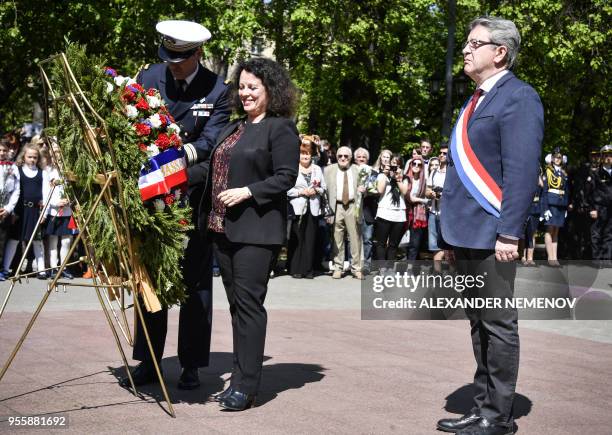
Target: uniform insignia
228	81
202	99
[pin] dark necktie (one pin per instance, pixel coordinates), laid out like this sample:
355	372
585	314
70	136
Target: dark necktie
181	85
472	106
345	189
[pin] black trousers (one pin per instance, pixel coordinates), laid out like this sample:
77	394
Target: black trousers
417	237
495	338
301	247
195	317
245	271
601	235
387	236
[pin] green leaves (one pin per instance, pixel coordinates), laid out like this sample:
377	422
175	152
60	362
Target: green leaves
365	68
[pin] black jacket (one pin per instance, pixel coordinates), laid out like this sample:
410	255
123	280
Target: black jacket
265	159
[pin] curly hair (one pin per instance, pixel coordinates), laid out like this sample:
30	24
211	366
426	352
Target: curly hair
282	93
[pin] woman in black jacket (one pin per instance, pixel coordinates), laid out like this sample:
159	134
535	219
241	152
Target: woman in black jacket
252	167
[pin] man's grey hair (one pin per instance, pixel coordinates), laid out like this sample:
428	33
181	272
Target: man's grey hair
345	148
362	150
503	32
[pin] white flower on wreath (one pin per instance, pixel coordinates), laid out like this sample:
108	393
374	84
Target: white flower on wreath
109	87
159	205
131	111
155	120
173	128
154	102
152	150
119	80
130	81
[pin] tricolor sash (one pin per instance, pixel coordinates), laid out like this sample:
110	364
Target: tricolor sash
165	171
472	174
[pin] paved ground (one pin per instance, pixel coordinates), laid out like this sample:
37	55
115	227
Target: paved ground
326	370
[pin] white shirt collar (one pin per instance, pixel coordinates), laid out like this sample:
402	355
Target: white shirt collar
488	84
191	76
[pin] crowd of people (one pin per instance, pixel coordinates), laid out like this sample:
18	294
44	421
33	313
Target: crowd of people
388	210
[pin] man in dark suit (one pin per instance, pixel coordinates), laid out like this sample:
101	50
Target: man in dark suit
199	102
489	186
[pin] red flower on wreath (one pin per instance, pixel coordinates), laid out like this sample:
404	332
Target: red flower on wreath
142	129
163	141
142	104
151	92
169	199
175	140
128	96
142	147
183	222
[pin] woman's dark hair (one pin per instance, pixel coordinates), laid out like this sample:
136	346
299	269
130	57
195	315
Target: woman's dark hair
282	94
395	193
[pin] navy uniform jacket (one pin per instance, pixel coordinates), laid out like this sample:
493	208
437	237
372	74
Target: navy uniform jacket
201	113
600	196
555	198
506	133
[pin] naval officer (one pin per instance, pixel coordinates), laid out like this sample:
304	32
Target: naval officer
198	99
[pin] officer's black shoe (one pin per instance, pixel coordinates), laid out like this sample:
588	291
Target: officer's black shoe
455	424
485	426
237	401
189	379
143	374
224	394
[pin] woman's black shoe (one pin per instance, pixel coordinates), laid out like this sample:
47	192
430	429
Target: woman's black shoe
309	275
224	394
238	401
297	275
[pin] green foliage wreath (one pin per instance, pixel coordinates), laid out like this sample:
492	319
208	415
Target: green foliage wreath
158	233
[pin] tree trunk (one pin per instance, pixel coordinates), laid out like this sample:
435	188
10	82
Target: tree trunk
448	75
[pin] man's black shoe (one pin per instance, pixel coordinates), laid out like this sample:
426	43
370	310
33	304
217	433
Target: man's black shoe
237	401
224	394
455	424
486	427
189	379
143	374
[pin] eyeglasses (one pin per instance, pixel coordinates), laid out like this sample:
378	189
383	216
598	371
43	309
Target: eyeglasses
443	153
416	164
344	156
475	44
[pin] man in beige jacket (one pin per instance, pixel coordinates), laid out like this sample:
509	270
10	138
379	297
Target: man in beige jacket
344	199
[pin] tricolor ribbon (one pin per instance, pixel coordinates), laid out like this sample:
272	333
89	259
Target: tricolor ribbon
165	171
471	172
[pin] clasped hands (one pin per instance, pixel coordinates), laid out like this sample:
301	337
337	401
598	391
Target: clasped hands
231	197
308	192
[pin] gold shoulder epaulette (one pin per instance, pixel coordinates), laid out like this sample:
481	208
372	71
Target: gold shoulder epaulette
228	81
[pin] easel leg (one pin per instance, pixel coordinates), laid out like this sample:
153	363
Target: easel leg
138	309
117	341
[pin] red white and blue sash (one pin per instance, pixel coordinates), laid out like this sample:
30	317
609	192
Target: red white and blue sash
165	171
471	172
